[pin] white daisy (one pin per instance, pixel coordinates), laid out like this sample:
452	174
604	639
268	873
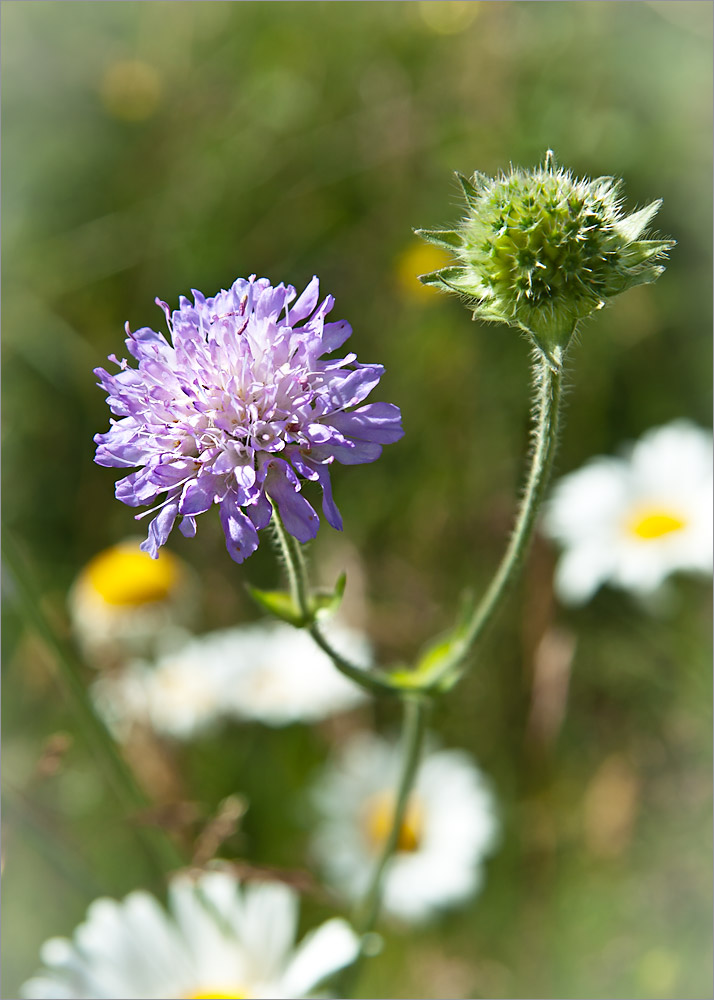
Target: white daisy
632	521
448	829
269	671
184	693
217	940
123	601
291	680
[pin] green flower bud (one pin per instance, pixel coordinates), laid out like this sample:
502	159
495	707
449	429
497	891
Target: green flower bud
541	250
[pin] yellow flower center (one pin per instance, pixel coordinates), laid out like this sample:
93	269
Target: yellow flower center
125	575
210	995
654	523
379	816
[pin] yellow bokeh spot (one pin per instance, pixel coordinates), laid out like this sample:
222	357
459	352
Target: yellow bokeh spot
131	90
654	523
216	996
125	575
420	258
658	971
379	815
447	17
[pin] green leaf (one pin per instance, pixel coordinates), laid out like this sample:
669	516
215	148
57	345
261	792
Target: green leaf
278	603
458	280
446	238
326	602
549	163
472	188
634	225
644	250
439	664
489	314
434	278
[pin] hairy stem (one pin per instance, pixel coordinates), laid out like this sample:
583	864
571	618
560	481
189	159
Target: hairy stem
548	384
291	552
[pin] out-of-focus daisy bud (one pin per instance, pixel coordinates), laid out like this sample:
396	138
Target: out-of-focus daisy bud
125	603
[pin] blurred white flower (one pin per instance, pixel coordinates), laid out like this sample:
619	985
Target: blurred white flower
291	680
270	672
632	521
217	940
124	602
449	827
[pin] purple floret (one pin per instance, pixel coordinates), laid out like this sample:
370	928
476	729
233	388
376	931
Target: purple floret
237	409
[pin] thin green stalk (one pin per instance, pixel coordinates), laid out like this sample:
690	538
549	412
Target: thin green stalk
548	385
24	822
159	850
548	382
291	551
413	725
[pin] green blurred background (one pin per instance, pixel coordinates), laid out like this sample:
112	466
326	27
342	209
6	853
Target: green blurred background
154	147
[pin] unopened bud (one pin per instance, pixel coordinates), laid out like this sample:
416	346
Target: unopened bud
541	250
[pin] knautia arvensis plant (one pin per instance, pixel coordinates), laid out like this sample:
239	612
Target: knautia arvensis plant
244	405
542	249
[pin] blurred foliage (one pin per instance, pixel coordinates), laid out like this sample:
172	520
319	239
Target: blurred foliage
155	147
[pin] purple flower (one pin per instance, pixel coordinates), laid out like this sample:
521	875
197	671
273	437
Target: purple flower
237	410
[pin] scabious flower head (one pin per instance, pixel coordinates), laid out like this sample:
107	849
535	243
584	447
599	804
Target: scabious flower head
634	520
239	408
219	939
541	249
448	828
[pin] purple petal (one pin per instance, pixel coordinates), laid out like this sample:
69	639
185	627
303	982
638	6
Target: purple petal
378	422
241	536
329	508
334	335
306	302
295	511
350	388
138	488
260	512
160	529
171	473
197	496
188	526
360	453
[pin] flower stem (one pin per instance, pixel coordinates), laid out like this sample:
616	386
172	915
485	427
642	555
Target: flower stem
291	551
160	852
548	385
413	724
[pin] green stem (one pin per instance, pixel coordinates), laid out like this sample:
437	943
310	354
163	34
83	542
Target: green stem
548	385
159	850
413	725
291	551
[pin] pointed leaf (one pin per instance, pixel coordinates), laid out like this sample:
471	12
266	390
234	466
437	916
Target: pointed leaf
634	225
549	163
643	250
457	280
472	188
446	238
442	656
325	603
644	275
490	314
278	603
434	278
